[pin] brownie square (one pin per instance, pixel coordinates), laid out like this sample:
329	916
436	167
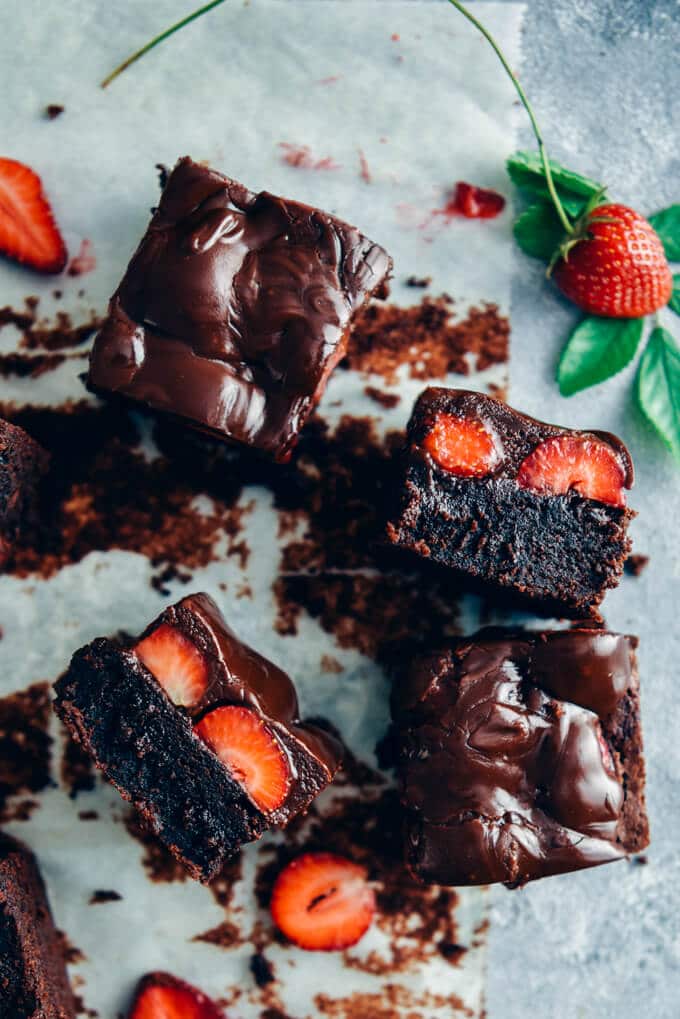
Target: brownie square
235	309
512	503
520	756
22	464
33	980
201	733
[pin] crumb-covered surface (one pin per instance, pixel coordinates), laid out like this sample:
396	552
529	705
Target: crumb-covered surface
139	511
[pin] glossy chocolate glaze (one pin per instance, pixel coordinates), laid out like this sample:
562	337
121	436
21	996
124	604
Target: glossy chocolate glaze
508	768
516	434
239	675
235	309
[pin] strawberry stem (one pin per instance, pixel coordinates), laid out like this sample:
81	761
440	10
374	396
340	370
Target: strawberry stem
159	39
559	209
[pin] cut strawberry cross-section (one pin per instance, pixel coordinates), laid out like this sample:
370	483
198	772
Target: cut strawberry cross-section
176	663
250	751
28	232
323	902
461	445
162	996
586	465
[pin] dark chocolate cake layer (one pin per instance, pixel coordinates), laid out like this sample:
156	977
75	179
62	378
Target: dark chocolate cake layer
520	756
33	980
152	733
22	464
235	309
494	517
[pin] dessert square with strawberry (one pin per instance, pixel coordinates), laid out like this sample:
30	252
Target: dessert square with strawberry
33	980
513	503
235	309
200	732
22	464
520	756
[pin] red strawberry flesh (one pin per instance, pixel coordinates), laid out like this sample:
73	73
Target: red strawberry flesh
461	445
162	996
251	753
28	232
583	463
476	203
619	270
323	902
176	663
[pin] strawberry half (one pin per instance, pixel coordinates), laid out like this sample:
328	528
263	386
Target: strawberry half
461	445
323	902
578	462
618	268
176	663
250	752
28	232
162	996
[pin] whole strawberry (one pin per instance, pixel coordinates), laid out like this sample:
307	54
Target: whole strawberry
615	266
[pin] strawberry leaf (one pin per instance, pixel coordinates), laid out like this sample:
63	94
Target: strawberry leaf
597	349
658	387
667	225
527	173
538	231
674	303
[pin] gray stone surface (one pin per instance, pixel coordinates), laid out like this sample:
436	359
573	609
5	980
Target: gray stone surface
604	76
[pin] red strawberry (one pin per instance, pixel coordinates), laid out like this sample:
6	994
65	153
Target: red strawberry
251	753
322	902
461	445
619	268
28	232
586	464
476	203
176	663
161	996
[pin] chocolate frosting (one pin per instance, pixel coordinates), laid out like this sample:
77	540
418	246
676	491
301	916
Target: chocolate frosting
239	675
506	771
235	309
516	434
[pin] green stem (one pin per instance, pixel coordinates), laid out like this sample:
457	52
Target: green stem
559	209
158	39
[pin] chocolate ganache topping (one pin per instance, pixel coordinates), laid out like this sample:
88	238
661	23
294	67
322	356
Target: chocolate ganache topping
235	309
509	766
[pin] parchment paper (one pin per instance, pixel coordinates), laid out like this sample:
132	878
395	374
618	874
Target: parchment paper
421	95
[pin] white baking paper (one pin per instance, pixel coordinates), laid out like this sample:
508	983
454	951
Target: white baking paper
420	94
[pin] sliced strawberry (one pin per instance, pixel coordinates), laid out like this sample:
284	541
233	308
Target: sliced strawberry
176	663
323	902
251	753
28	232
461	445
583	463
162	996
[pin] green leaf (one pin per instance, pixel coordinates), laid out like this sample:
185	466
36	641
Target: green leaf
527	173
658	387
538	231
667	225
674	303
597	349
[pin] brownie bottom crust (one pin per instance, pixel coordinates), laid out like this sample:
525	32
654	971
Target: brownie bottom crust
560	551
147	749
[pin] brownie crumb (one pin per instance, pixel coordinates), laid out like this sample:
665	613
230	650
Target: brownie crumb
163	174
25	747
635	564
330	664
452	952
42	334
419	282
54	110
159	863
641	859
262	969
225	935
385	399
103	895
72	955
77	770
88	815
427	339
